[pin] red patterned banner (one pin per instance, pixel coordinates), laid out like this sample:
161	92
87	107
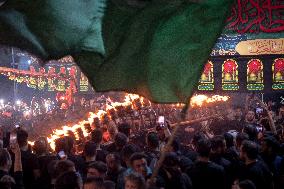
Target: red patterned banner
250	16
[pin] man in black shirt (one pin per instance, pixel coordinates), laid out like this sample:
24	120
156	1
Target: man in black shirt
218	147
89	156
97	137
66	145
152	149
44	158
204	173
31	168
254	170
120	140
114	168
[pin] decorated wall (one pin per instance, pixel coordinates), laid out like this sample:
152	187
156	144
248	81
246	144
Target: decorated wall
243	74
55	76
248	56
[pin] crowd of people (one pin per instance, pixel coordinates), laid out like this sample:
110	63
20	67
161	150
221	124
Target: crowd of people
242	150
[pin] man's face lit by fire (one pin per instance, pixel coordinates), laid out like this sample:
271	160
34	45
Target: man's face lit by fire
111	162
250	116
131	185
140	166
238	113
92	172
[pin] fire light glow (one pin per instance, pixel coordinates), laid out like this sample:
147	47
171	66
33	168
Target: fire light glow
130	101
65	130
201	100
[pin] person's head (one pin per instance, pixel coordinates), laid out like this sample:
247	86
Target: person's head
97	169
171	160
120	140
88	127
218	145
249	150
139	163
238	112
185	163
5	160
230	114
60	145
124	128
240	138
229	139
269	145
63	166
6	182
203	147
196	137
109	184
161	132
134	181
251	131
247	184
94	183
112	131
69	180
97	136
90	149
113	161
175	146
127	152
40	147
69	144
22	137
250	116
152	140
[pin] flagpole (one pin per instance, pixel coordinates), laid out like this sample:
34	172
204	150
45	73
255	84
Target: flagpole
182	117
14	65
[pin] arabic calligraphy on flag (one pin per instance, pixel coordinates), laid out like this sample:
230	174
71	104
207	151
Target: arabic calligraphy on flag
250	16
261	46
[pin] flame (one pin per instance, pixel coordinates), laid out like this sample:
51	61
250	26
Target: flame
65	130
132	101
200	100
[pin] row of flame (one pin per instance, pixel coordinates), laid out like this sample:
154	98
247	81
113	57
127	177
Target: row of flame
196	101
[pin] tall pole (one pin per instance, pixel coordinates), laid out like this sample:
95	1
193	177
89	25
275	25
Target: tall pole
14	66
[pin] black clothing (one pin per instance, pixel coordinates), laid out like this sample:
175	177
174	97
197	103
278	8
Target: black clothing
192	155
101	155
232	154
85	169
258	173
78	161
206	175
112	148
227	165
45	178
173	178
29	163
236	125
152	157
113	176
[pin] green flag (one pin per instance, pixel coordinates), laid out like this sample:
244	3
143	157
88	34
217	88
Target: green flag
157	50
52	28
